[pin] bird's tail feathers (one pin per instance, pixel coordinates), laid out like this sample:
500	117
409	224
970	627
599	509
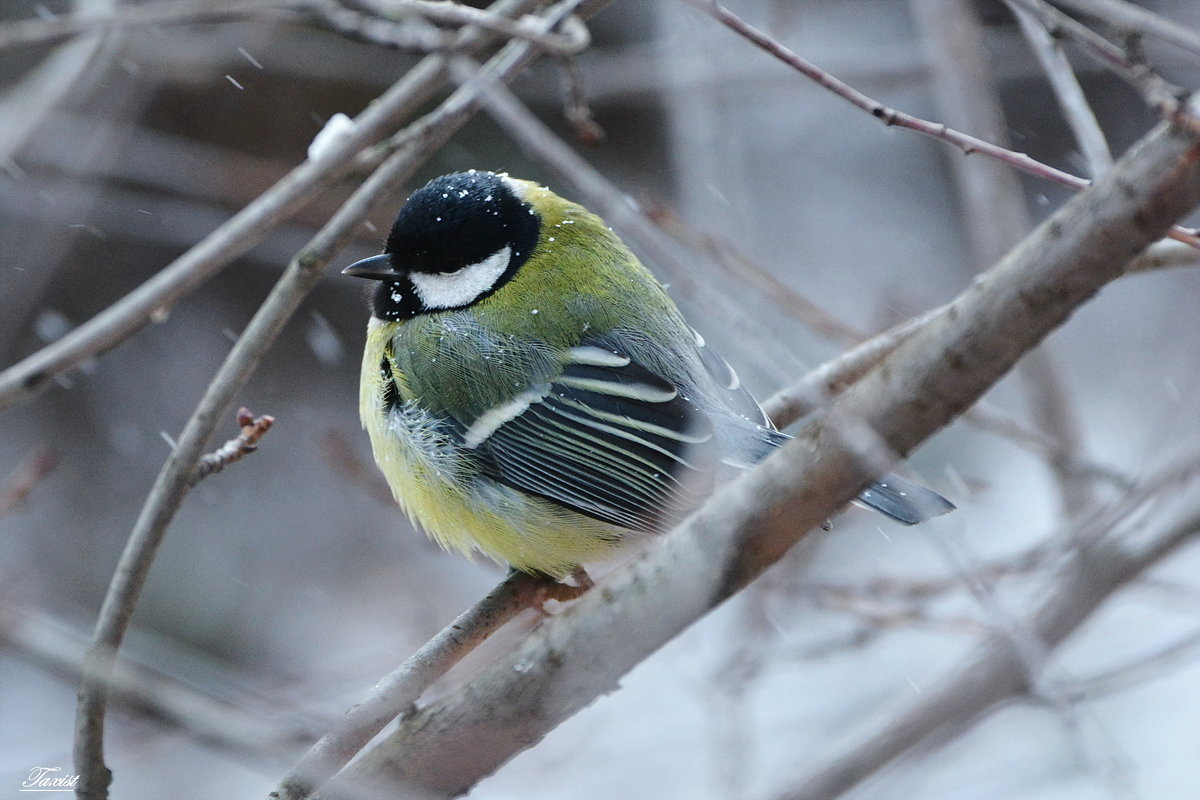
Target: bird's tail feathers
903	500
895	497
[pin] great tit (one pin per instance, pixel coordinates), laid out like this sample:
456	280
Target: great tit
531	391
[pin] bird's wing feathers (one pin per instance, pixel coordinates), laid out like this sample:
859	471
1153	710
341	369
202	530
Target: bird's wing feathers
606	437
733	393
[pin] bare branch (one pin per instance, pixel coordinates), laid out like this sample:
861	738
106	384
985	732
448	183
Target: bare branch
345	458
1033	657
833	377
755	275
40	30
153	299
1167	99
26	105
968	100
1165	255
230	723
1137	670
245	443
1049	448
890	116
576	110
25	476
1136	19
573	37
1066	87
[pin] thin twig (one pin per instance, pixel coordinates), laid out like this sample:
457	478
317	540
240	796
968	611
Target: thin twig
414	35
828	380
26	105
890	116
1136	671
754	275
1075	107
989	419
42	30
1165	255
344	456
1169	100
1032	655
25	476
1048	557
576	110
893	615
237	448
967	99
571	36
251	732
1136	19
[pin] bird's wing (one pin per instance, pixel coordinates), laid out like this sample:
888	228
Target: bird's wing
606	437
736	396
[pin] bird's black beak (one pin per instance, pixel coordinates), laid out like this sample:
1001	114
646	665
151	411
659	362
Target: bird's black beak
376	268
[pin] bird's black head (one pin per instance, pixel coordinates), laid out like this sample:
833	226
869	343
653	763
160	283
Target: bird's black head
457	239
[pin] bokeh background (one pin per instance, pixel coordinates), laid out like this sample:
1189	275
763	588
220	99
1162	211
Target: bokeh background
290	582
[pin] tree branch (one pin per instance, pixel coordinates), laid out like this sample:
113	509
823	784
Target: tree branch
39	30
25	476
157	296
1071	100
891	117
1169	100
1134	18
245	443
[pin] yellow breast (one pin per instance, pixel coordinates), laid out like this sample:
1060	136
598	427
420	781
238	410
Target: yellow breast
436	481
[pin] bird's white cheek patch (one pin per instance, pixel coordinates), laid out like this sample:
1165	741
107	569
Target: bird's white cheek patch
461	288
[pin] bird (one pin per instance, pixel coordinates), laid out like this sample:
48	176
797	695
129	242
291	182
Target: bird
531	392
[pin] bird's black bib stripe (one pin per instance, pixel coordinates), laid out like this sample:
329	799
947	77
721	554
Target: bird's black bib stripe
389	392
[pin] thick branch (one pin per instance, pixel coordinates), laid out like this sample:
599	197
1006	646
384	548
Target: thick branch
749	524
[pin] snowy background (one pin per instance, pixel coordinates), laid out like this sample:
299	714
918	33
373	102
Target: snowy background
287	585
